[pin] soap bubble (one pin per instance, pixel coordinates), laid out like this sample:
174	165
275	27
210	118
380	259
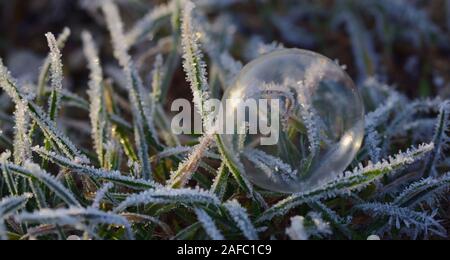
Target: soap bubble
318	125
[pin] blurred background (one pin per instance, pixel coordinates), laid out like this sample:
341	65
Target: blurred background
401	42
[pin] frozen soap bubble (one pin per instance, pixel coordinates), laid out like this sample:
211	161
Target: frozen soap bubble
308	124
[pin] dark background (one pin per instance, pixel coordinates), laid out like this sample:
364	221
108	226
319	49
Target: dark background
419	71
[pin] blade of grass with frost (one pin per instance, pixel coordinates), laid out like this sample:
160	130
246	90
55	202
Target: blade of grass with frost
111	176
56	75
144	131
208	225
61	142
228	68
428	191
100	195
22	142
362	44
193	64
440	139
163	122
272	166
35	172
375	119
216	5
76	217
241	218
186	169
417	221
150	23
415	18
157	74
349	181
219	186
9	206
43	75
96	96
8	178
188	232
188	197
195	70
33	181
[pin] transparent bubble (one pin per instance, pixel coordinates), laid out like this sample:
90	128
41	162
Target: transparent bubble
309	120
